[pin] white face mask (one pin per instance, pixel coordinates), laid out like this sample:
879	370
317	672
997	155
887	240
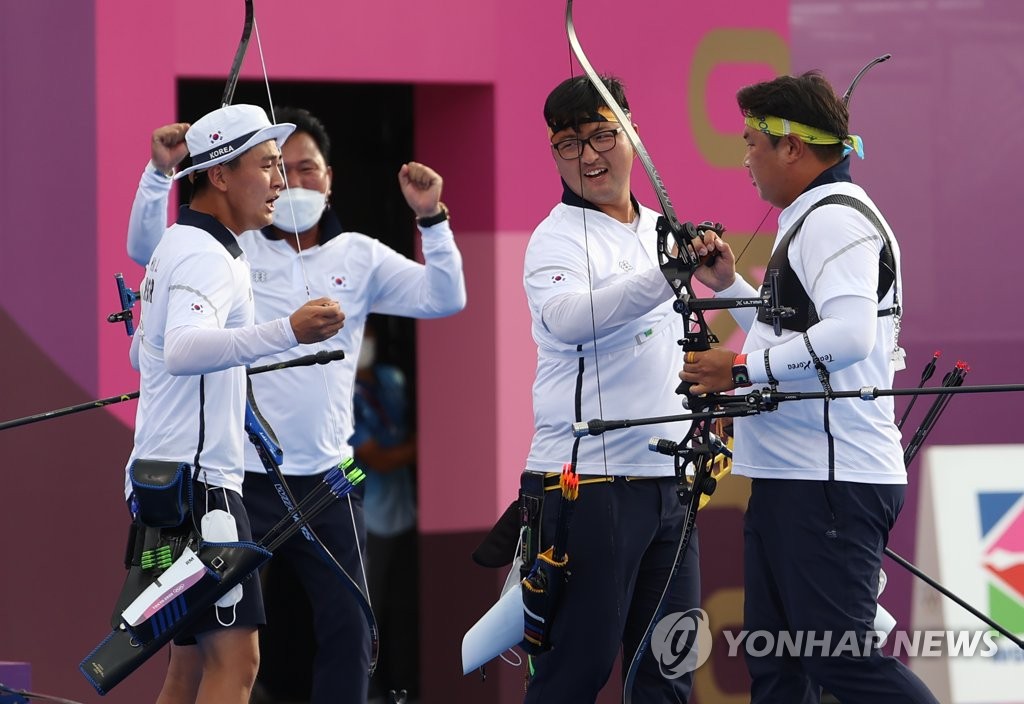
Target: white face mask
306	205
367	352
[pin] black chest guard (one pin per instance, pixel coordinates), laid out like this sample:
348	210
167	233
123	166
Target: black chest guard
792	292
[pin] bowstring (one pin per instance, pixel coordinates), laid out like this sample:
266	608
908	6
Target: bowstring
335	424
756	230
593	327
590	289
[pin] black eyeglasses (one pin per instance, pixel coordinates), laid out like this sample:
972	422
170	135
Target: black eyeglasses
601	141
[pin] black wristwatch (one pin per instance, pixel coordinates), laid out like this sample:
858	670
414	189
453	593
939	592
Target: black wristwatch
740	375
432	220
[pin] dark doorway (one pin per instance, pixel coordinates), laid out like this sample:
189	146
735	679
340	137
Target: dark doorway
371	131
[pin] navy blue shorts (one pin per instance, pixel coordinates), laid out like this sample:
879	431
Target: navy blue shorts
247	613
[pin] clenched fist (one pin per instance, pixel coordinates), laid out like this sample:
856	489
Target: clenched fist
317	320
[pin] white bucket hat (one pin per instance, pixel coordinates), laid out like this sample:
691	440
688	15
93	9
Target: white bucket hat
226	133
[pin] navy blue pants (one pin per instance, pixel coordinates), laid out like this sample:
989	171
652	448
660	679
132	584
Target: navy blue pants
813	551
342	638
622	542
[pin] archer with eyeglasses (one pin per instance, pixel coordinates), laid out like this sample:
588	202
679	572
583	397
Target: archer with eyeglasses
605	328
601	141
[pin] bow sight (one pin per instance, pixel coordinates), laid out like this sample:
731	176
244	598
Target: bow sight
128	299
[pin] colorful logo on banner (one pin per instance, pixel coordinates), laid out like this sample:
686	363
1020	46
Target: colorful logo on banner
1002	532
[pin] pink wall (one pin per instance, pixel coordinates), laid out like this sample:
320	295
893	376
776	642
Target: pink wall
48	186
84	83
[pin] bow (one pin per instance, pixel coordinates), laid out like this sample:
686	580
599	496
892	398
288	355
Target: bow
696	451
236	63
256	427
262	437
150	613
205	574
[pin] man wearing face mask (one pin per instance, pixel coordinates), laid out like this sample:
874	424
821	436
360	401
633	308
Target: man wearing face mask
306	253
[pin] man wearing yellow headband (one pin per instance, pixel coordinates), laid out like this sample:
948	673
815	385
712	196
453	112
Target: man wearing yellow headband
606	347
828	477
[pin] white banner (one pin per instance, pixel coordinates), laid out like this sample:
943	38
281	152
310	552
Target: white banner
970	538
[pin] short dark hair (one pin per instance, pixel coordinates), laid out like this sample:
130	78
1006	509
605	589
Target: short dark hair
575	101
807	98
200	180
307	122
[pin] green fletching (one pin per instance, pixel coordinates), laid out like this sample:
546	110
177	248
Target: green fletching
164	557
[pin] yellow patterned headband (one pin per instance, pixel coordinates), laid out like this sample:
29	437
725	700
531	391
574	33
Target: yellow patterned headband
779	127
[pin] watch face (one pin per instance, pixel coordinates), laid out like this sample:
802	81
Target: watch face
740	377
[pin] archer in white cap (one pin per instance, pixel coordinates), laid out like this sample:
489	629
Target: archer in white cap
196	334
308	250
237	151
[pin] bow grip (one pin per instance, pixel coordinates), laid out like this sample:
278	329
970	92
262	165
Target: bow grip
716	227
683	237
696	340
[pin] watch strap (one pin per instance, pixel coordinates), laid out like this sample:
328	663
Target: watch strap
740	375
435	219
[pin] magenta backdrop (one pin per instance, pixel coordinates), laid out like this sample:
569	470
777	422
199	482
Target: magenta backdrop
84	83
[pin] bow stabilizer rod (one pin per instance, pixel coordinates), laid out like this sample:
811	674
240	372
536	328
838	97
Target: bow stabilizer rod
322	357
768	399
